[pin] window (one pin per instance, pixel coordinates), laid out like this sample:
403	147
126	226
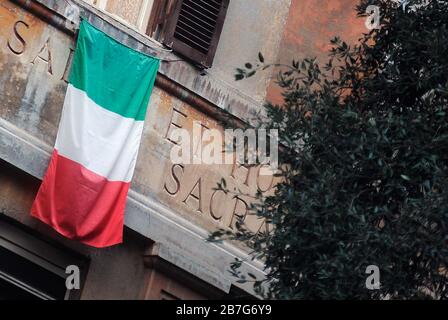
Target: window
192	28
31	269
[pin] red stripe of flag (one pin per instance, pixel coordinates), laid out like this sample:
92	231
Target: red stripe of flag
80	204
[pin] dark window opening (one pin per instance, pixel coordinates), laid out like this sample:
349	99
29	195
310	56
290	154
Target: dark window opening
34	269
23	279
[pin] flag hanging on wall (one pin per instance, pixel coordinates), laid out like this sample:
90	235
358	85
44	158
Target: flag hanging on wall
84	190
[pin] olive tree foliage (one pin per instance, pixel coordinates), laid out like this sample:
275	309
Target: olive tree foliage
365	140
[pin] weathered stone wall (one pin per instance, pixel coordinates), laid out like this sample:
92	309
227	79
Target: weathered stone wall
35	57
251	26
175	206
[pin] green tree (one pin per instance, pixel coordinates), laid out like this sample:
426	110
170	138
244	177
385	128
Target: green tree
366	146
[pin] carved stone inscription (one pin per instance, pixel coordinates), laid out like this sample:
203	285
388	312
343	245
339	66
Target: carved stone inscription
35	61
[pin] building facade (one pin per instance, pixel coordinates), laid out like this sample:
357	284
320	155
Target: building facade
171	208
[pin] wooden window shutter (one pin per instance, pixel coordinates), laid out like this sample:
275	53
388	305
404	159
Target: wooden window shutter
194	29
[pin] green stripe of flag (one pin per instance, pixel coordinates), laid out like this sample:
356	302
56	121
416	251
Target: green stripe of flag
113	75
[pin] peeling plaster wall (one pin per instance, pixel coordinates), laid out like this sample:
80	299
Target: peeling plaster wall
127	9
310	26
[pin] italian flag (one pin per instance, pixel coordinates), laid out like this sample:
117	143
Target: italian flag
84	190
